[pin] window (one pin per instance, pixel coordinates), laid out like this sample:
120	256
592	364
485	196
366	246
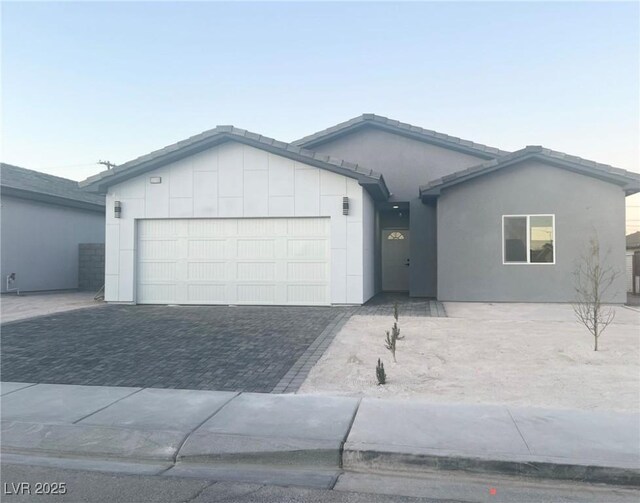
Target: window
395	235
528	239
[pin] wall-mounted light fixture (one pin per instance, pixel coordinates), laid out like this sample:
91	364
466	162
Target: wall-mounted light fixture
117	209
345	205
395	206
155	179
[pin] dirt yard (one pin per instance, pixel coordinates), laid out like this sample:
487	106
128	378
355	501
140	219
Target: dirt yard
519	354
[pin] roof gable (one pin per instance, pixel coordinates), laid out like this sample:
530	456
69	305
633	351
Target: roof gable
402	129
34	185
373	182
627	180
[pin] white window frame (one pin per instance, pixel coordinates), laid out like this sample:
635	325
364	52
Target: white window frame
528	261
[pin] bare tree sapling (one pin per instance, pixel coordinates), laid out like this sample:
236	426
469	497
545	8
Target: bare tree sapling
593	278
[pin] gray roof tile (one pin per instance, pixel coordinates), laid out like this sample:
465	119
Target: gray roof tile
28	180
629	179
420	133
222	133
633	240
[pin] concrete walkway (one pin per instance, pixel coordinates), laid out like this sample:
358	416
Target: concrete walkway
30	305
307	440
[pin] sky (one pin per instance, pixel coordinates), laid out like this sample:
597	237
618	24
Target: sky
90	81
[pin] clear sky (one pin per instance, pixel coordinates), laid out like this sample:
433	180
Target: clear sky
112	81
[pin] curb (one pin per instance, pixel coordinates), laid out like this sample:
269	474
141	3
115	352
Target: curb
398	463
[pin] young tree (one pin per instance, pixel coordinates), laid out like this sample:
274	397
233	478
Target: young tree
593	277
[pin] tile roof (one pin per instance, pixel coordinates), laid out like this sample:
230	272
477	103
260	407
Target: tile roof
402	128
207	139
629	180
29	183
633	240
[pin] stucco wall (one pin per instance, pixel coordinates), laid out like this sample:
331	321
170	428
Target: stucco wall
235	180
40	242
405	164
470	264
368	244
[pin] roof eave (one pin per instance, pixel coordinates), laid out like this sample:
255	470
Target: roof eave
418	134
51	199
103	180
628	184
374	182
377	190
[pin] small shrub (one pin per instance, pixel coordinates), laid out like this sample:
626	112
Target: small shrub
395	324
381	376
394	335
390	343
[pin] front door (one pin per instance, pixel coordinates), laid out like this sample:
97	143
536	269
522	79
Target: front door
395	260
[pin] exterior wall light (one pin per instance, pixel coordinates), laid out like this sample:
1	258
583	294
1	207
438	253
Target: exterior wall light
345	205
117	209
155	179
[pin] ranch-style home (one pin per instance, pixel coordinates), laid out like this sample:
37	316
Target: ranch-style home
369	205
43	221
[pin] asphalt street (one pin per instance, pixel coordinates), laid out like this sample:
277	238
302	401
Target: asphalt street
21	482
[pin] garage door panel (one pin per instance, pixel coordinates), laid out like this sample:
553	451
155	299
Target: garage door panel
158	228
212	227
267	227
256	271
256	248
208	248
256	294
207	294
306	294
155	293
158	249
208	271
229	261
308	227
307	248
158	271
307	271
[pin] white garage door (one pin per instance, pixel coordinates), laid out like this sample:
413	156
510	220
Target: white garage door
234	261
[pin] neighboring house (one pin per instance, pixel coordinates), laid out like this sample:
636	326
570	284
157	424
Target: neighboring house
633	246
43	219
233	217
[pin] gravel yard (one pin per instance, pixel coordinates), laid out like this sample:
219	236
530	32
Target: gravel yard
518	354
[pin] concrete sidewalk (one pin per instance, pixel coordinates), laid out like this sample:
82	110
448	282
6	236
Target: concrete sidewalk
307	440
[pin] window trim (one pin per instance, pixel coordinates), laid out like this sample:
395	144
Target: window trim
528	217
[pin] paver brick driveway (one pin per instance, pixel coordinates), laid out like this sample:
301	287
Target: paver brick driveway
208	347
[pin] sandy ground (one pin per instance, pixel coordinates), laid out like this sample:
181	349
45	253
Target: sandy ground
518	354
27	305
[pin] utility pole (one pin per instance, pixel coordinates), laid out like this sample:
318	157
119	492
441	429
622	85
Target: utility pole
108	164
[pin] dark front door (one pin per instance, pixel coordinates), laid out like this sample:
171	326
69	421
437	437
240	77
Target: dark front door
395	260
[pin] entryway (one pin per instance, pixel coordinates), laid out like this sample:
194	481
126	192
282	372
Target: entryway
395	260
394	247
383	304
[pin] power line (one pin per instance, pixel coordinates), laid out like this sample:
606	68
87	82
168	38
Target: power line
108	164
71	166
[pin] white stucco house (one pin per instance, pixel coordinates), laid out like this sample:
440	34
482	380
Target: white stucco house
248	221
233	217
